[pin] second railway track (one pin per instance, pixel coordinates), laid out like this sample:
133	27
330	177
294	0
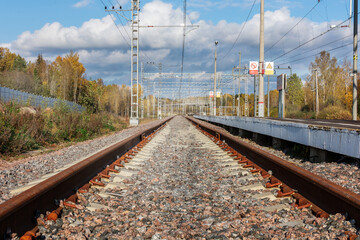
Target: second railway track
185	183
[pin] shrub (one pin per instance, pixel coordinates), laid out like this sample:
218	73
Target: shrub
334	112
20	132
274	112
295	114
299	115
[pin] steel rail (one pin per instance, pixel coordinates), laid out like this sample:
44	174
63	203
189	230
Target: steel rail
19	213
327	195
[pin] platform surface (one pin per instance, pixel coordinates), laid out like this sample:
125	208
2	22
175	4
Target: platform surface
338	136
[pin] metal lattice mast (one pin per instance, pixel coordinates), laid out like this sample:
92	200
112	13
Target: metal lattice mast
134	117
134	92
142	93
159	99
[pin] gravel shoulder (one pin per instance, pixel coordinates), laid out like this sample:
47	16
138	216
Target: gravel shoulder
23	171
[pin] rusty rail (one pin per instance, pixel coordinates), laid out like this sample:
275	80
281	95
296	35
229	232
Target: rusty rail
19	213
330	197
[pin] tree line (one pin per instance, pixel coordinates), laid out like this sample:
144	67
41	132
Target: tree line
335	87
64	78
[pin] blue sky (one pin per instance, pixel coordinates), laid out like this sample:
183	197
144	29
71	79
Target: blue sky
33	27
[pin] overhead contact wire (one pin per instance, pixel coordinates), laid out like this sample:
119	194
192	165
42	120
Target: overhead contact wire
340	39
303	44
242	29
330	50
293	27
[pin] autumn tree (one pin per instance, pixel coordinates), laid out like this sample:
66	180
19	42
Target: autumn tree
40	76
295	92
227	101
111	98
77	72
54	78
7	59
19	64
331	78
71	73
348	85
63	78
89	97
125	100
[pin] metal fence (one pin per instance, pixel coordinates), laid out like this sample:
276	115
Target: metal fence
7	95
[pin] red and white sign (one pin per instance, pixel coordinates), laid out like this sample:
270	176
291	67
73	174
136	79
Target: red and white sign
254	68
211	94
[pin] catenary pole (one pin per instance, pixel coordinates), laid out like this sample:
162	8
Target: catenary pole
261	62
316	93
355	57
268	97
239	109
216	43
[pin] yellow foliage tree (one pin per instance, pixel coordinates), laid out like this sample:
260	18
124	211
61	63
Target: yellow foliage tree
7	59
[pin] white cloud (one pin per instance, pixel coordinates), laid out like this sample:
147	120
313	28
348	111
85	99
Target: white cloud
95	33
214	4
5	45
107	57
82	3
102	48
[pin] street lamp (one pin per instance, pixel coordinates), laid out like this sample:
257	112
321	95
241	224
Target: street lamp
216	43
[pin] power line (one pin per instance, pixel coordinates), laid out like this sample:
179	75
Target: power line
118	17
309	40
116	25
118	2
338	40
293	27
126	40
247	18
330	50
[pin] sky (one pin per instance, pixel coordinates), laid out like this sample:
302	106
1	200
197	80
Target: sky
102	39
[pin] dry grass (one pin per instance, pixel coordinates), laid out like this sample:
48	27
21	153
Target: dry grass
22	132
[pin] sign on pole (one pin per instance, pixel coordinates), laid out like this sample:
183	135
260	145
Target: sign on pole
269	68
211	94
218	94
254	68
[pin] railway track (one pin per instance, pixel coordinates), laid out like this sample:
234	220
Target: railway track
19	214
182	183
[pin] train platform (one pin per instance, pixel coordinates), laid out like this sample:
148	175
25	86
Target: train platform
337	136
